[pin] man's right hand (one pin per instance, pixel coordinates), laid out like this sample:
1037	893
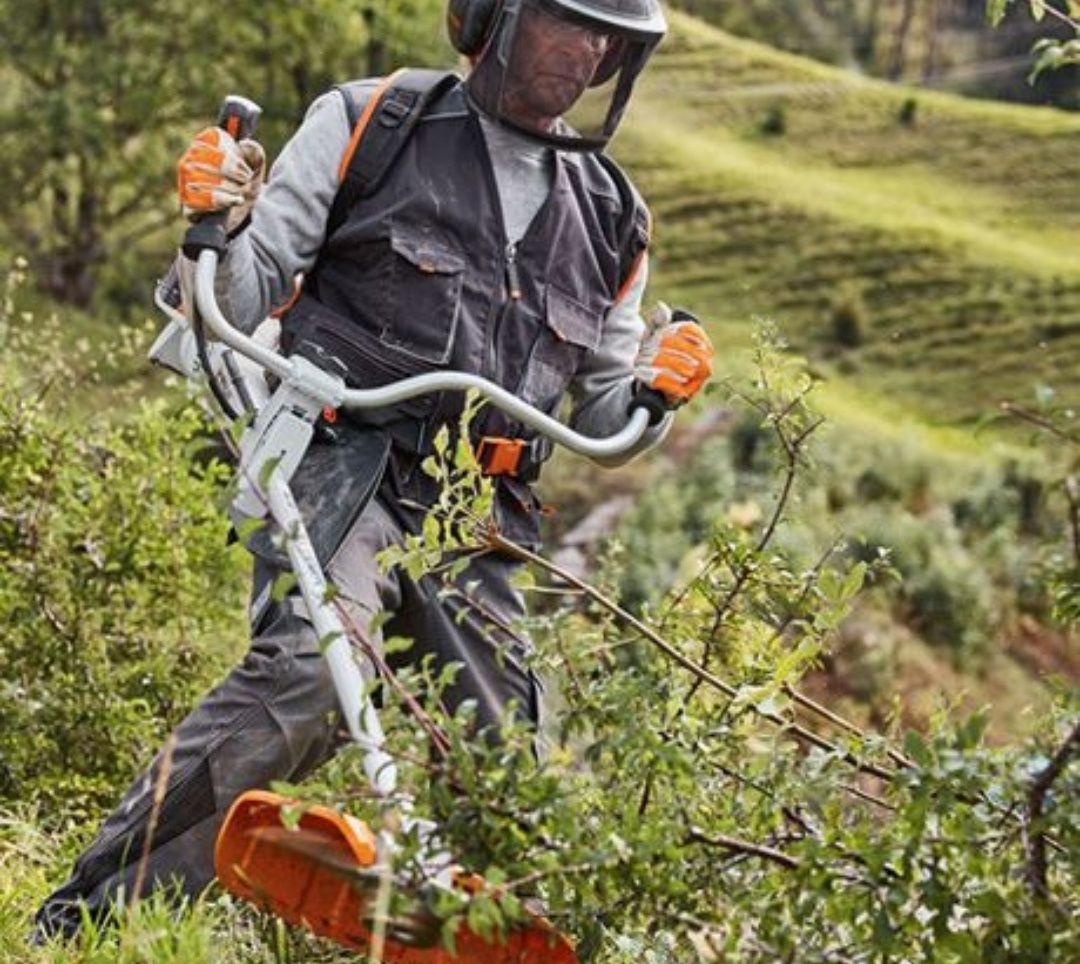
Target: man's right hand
217	174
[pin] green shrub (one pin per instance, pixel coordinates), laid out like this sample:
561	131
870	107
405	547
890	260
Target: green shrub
908	113
774	123
849	318
118	596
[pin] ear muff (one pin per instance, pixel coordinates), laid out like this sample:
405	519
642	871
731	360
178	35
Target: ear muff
469	24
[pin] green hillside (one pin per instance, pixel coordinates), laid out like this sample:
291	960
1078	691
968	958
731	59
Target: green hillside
785	188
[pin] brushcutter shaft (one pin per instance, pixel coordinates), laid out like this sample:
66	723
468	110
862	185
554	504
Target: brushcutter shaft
358	712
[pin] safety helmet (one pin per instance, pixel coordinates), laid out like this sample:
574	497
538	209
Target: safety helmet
561	71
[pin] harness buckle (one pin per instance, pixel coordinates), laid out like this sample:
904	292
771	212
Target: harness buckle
500	456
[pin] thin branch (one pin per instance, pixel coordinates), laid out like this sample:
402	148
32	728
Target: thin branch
1034	838
746	847
792	448
435	733
1058	14
825	713
503	544
1039	421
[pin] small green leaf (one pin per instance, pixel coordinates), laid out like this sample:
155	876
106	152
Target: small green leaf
996	10
432	531
397	644
441	440
267	469
283	585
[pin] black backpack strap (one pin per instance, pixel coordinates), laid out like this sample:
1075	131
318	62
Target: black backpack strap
380	129
635	224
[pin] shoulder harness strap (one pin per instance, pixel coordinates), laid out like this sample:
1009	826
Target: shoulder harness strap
635	225
381	129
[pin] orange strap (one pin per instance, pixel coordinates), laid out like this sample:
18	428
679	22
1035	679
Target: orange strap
500	456
639	261
362	123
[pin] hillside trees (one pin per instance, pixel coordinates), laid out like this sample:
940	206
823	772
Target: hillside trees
99	96
937	42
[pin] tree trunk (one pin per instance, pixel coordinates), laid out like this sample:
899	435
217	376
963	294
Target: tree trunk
69	271
376	49
931	62
866	36
898	59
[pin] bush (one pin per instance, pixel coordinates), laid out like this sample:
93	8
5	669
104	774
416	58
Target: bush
849	321
946	592
117	594
908	113
774	123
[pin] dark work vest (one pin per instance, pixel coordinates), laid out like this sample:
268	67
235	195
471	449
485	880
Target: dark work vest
420	276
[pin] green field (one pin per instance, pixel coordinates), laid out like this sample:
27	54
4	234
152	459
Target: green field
781	187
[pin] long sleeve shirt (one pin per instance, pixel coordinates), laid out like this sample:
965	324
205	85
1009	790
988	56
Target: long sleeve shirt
288	227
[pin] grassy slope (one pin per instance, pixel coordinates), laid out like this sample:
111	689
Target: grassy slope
960	231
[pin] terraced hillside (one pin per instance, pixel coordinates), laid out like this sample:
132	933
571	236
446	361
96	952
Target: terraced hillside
949	228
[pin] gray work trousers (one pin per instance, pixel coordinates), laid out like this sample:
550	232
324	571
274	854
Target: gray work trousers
275	717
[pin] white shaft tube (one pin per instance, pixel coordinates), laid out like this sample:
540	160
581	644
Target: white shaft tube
359	399
359	712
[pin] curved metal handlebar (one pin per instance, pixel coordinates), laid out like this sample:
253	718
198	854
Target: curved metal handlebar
597	448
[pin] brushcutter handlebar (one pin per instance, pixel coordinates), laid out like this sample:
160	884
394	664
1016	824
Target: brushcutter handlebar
238	117
329	390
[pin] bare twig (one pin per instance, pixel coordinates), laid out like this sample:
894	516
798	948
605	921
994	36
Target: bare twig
1039	421
160	785
1034	837
794	729
747	847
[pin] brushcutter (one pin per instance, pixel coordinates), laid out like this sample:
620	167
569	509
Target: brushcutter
330	872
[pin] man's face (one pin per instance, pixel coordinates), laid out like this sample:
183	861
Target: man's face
550	68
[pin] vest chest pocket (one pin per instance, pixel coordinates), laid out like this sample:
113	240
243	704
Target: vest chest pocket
424	297
570	330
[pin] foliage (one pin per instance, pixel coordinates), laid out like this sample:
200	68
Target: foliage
737	818
101	96
940	43
115	589
964	303
1051	54
965	536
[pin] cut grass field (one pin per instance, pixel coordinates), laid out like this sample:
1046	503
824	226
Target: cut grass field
781	187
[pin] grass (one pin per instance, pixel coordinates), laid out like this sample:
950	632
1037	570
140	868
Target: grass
212	930
958	230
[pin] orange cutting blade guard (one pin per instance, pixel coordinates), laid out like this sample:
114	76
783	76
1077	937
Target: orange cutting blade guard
315	885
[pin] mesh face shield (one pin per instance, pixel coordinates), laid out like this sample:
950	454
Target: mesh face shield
562	71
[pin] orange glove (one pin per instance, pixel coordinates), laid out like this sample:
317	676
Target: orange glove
676	356
216	173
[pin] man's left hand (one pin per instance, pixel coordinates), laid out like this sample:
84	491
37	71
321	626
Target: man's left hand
676	356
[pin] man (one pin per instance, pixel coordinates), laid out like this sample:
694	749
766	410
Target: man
502	242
